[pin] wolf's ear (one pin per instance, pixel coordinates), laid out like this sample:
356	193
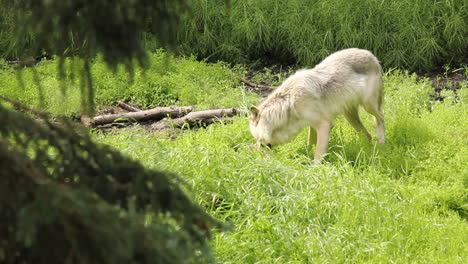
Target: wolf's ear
254	111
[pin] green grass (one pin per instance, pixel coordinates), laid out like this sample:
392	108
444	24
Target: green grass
168	81
402	202
417	35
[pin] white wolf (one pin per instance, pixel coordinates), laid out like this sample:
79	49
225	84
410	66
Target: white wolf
338	85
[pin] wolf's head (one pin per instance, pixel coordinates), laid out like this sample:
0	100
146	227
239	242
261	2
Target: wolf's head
265	128
258	129
273	124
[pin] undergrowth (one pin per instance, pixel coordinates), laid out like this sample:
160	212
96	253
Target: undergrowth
402	202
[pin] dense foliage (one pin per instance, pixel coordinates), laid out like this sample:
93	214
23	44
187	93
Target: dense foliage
83	28
413	35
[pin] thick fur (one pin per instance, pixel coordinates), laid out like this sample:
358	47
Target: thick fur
314	97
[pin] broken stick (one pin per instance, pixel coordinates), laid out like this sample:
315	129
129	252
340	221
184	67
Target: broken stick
254	85
128	107
199	117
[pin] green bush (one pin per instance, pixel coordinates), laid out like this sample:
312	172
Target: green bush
415	35
419	35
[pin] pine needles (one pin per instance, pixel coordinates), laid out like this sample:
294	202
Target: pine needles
65	199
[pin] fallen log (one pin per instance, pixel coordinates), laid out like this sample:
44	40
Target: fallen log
254	85
197	118
128	107
157	113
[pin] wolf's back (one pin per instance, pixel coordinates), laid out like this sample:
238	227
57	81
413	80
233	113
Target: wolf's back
359	60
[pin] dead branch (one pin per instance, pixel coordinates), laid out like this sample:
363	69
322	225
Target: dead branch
128	107
157	113
254	85
196	118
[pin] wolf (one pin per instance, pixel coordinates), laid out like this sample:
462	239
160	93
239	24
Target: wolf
339	85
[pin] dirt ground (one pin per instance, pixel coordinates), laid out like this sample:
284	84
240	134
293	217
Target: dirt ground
452	81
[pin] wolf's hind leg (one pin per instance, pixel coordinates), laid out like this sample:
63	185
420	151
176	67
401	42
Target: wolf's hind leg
374	104
375	109
352	115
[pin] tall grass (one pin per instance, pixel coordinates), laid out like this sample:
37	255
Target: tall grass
415	35
402	202
419	35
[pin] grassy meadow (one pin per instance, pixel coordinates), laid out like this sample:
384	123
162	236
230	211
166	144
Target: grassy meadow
402	202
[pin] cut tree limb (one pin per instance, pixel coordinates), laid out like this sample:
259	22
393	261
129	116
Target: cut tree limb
157	113
254	85
128	107
196	118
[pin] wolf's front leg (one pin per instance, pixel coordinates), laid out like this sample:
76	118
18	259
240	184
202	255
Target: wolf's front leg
312	138
323	134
